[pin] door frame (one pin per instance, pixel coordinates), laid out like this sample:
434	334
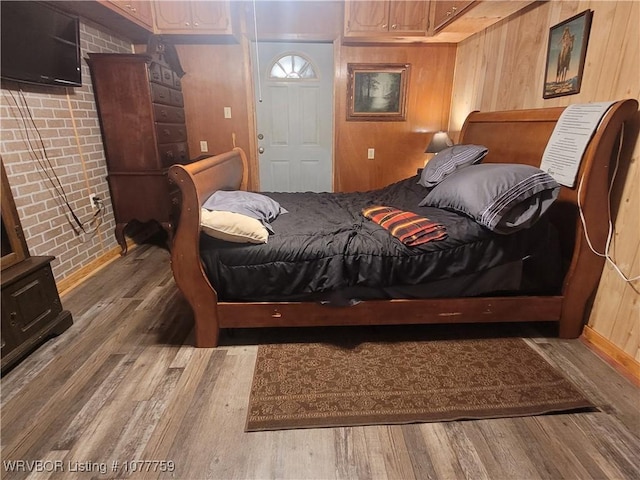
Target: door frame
252	154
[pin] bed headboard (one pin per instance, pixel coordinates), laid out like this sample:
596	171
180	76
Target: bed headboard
520	136
523	133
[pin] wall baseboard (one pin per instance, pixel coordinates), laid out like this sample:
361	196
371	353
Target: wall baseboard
612	354
76	278
139	235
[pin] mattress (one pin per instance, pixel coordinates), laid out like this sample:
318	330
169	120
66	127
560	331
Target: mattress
324	249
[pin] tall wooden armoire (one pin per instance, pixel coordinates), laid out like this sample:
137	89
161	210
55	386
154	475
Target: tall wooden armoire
140	104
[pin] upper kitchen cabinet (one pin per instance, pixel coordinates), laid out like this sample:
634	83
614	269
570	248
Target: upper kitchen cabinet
131	19
454	21
427	21
193	17
409	18
386	18
445	12
140	11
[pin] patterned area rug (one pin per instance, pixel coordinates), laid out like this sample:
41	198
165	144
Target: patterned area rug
301	385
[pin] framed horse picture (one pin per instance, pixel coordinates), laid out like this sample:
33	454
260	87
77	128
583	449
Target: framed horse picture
566	52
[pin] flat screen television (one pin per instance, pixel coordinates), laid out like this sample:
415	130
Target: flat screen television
40	44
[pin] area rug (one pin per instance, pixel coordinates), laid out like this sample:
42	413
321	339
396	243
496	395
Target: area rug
300	385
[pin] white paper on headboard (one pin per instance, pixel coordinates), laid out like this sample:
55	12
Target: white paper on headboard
568	142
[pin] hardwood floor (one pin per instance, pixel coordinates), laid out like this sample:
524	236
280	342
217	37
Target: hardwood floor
124	384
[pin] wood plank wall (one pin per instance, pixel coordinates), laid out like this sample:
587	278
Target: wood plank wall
503	68
399	146
215	79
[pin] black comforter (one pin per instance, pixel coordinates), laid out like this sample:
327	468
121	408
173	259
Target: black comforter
325	249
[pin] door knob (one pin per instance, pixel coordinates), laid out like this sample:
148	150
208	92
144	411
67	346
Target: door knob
261	150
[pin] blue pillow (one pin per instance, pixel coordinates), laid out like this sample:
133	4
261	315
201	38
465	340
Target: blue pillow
503	197
251	204
448	161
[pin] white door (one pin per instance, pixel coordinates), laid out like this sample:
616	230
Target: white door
294	109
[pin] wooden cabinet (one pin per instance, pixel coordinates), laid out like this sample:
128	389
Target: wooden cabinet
445	12
140	105
131	19
14	246
383	18
140	10
409	18
31	307
193	17
365	17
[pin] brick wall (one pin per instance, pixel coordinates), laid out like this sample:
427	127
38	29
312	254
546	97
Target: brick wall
75	154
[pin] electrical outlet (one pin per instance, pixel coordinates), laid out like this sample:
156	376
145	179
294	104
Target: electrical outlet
204	146
371	153
93	200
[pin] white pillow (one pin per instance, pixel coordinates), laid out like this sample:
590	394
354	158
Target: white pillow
232	227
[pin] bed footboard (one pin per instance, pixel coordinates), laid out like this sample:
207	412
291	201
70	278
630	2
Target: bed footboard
197	181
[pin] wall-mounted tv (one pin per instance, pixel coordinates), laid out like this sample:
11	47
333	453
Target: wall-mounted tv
40	44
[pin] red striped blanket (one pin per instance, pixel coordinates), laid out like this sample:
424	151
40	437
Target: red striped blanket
408	227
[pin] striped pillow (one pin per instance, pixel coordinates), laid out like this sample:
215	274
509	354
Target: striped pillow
448	161
408	227
502	197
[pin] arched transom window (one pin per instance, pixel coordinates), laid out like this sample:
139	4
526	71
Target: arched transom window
292	66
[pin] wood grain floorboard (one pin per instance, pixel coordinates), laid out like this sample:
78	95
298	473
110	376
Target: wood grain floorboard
124	383
511	460
538	452
349	446
460	436
419	456
395	454
444	457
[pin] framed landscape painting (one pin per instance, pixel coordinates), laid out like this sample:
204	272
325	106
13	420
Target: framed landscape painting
377	92
566	52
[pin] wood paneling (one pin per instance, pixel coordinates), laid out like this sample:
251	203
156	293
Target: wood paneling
216	79
399	146
503	68
294	20
217	76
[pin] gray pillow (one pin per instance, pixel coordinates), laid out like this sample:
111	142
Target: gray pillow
251	204
503	197
448	161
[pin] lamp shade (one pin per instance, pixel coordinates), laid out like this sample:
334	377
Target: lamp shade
439	142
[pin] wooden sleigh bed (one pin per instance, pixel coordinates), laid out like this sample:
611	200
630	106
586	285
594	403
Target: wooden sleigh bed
510	136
